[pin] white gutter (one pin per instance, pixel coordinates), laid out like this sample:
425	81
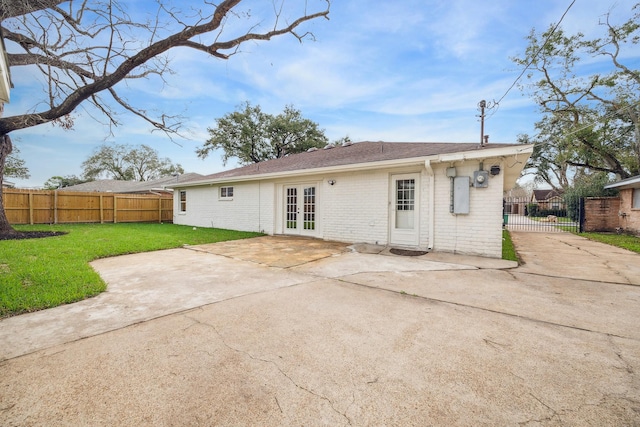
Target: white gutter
625	182
432	203
486	153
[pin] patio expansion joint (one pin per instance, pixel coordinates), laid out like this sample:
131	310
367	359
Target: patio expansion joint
281	267
488	310
311	261
606	263
556	276
181	312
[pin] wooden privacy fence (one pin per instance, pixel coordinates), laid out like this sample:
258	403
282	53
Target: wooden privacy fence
63	207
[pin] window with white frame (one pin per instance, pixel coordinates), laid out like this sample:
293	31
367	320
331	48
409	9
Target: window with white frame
226	192
183	200
635	202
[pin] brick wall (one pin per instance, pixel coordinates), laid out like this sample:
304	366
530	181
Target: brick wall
601	214
630	222
241	212
356	208
480	231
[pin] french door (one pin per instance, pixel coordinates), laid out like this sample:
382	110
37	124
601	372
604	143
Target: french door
300	210
405	211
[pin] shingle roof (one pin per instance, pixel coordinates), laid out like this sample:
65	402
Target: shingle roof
542	195
103	185
116	186
168	181
362	152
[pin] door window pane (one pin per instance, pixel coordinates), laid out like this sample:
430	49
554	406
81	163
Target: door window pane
405	203
309	216
405	194
292	208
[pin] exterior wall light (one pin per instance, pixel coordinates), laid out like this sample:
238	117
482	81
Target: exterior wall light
331	182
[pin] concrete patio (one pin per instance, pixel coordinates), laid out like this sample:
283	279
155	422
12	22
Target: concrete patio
238	334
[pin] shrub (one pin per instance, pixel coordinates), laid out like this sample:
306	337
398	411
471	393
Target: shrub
556	212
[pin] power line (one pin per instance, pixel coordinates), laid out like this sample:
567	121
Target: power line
533	58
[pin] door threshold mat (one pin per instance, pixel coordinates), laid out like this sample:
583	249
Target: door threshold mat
407	252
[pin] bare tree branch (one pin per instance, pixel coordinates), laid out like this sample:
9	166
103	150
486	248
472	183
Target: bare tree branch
84	48
127	62
13	8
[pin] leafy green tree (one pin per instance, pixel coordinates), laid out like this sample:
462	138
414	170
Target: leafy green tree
56	182
586	185
15	167
253	136
127	163
589	123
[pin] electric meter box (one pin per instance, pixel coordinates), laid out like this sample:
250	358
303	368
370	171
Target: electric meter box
481	179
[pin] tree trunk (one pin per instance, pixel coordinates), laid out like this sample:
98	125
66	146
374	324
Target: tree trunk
5	149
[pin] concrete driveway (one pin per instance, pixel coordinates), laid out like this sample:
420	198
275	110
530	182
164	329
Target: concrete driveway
284	331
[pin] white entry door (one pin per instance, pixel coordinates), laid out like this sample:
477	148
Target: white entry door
300	209
405	212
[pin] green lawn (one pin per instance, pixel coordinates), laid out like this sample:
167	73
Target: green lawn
508	250
47	272
560	219
625	241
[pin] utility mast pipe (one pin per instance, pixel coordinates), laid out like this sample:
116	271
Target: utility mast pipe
482	105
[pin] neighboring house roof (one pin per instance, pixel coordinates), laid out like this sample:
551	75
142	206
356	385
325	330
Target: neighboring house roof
116	186
8	184
103	186
543	195
167	182
349	155
633	182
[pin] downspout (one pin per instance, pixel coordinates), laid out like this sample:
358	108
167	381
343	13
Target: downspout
432	204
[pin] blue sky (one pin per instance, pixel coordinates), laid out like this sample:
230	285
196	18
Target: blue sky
407	70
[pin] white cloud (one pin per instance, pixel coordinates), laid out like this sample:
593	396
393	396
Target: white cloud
409	70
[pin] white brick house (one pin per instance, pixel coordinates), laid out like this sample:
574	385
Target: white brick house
436	196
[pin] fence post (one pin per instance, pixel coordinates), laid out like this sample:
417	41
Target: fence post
30	208
48	203
101	210
55	206
581	215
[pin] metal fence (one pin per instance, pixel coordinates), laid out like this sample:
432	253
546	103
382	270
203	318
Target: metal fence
522	214
63	207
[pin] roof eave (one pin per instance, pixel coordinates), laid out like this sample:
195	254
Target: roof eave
488	153
625	183
518	155
525	149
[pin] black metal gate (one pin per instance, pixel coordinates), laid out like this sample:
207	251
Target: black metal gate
520	214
